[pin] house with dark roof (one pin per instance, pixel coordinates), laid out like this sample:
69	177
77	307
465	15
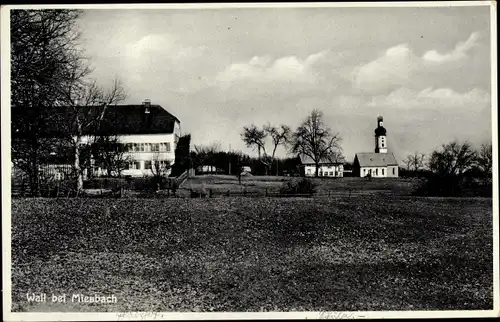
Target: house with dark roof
327	168
148	132
380	163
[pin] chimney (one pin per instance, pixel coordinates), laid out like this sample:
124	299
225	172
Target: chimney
147	104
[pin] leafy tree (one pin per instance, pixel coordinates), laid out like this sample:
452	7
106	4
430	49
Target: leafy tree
453	158
314	139
449	164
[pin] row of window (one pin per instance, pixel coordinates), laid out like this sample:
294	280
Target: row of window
370	171
148	147
148	165
325	173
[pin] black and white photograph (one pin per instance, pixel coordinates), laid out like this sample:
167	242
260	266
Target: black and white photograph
249	161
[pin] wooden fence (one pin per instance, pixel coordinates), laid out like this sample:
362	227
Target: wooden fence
49	174
213	193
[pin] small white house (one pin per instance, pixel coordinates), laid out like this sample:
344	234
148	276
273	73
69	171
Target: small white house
378	165
327	168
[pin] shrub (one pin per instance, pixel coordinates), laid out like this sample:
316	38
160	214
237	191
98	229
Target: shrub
454	186
110	183
436	185
58	188
298	186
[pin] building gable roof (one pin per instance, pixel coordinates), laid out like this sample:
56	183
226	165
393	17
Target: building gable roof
132	119
121	120
371	159
304	159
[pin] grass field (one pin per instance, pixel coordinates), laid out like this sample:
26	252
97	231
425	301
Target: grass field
222	183
255	254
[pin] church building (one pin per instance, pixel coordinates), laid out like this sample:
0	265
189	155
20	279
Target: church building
380	163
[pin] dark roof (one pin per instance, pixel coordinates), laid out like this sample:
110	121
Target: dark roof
380	131
304	159
371	159
120	119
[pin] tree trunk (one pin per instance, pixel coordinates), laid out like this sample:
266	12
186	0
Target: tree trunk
34	182
317	170
78	170
35	173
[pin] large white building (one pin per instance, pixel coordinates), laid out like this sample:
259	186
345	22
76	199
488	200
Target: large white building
148	132
380	163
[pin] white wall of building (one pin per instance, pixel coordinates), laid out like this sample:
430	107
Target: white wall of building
381	143
393	171
139	159
324	170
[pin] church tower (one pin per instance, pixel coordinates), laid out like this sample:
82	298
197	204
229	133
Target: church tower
380	136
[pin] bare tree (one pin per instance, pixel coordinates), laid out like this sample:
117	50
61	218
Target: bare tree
315	140
239	161
408	163
159	168
43	49
86	107
453	158
415	162
110	154
255	137
485	159
280	136
205	155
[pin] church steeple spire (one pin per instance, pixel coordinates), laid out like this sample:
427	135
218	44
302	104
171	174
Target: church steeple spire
380	136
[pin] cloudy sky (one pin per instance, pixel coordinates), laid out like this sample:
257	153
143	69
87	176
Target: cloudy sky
426	70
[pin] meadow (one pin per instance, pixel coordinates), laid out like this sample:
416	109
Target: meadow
255	254
221	184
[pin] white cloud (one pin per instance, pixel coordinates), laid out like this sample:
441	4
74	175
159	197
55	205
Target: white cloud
395	67
265	70
440	98
400	66
459	52
170	63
